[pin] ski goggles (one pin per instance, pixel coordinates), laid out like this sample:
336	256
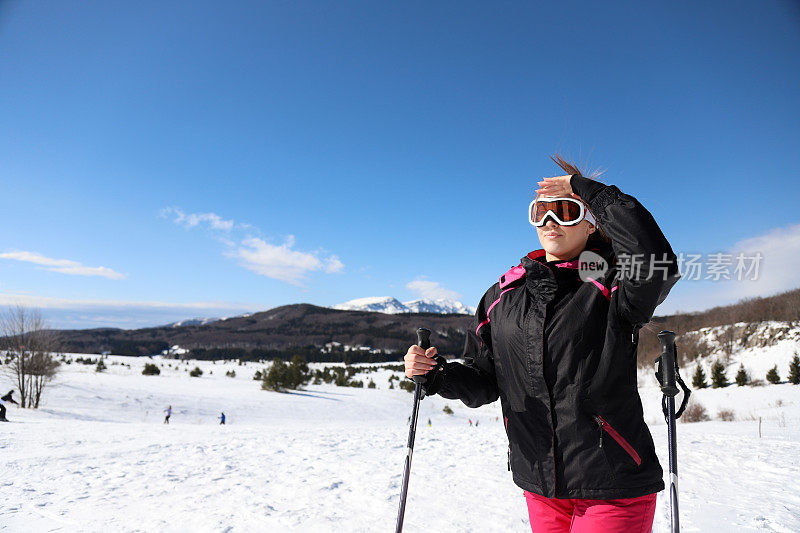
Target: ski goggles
564	211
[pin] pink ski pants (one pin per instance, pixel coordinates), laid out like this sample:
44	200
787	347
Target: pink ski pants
628	515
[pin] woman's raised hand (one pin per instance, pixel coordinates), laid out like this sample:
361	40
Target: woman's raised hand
557	186
419	361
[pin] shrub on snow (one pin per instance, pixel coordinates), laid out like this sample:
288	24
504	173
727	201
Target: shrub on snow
726	415
695	412
150	370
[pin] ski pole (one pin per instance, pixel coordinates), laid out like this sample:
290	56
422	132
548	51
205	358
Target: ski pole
424	342
668	377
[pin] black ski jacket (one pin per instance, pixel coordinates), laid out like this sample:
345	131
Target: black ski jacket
560	354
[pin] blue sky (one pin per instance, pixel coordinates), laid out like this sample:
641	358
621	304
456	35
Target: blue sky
161	160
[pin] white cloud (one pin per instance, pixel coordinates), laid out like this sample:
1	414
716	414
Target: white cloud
282	262
192	220
777	272
47	302
431	290
63	266
333	265
66	313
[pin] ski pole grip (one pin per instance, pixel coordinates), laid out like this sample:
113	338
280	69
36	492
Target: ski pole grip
424	342
668	370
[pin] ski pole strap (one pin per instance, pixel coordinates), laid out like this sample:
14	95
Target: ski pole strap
686	393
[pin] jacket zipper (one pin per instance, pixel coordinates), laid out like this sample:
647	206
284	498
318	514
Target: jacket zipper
550	397
605	426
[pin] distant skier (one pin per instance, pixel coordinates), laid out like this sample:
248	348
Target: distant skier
429	422
477	422
470	422
168	410
6	398
222	419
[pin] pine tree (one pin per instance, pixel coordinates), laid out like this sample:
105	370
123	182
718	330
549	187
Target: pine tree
299	372
742	378
794	370
718	377
282	377
277	376
772	375
699	379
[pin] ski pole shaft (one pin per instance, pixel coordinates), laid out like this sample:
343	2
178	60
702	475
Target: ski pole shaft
424	342
669	389
673	466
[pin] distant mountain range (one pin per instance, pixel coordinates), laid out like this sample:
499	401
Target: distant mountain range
373	304
299	328
306	329
392	306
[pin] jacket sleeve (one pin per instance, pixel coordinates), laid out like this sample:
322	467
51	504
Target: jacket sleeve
473	381
647	266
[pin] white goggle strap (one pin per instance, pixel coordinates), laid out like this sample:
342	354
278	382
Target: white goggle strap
590	218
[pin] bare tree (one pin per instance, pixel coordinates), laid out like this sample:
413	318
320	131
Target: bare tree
30	344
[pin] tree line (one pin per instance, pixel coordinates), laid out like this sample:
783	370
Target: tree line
719	376
783	307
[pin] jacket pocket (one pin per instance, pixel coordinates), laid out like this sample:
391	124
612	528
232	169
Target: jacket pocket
605	427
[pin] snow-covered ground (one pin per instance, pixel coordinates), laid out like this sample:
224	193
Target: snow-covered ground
97	457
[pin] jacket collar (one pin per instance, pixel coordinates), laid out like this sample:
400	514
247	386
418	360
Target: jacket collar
535	262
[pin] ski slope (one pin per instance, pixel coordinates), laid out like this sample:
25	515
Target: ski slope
97	457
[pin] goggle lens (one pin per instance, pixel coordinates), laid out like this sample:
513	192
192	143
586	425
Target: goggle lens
565	210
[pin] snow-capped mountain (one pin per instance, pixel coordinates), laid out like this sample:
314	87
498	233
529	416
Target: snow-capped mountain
378	304
446	307
192	322
387	304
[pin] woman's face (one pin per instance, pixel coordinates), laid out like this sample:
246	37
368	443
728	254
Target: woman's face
564	242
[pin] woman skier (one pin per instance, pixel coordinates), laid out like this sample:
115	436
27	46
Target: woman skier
555	339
